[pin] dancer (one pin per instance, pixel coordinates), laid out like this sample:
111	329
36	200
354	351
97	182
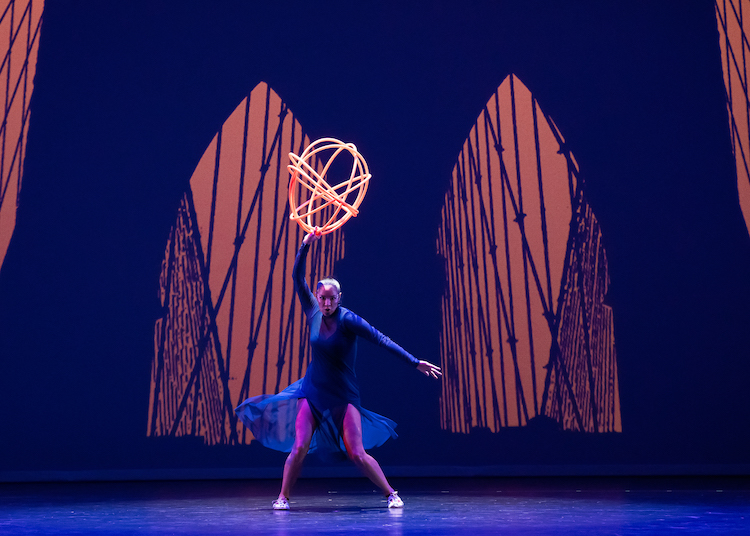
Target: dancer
326	400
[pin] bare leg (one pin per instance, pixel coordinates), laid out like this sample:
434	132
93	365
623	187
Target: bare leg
304	427
353	441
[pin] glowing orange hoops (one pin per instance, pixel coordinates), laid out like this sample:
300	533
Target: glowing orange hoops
321	194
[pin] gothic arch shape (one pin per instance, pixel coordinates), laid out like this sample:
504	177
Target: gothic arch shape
735	56
525	334
20	24
230	326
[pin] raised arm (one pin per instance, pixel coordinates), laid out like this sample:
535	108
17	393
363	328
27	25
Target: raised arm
363	329
306	297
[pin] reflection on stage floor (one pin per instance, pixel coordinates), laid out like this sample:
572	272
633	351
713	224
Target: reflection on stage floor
476	506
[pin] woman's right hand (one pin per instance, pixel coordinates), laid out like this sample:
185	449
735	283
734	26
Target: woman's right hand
312	236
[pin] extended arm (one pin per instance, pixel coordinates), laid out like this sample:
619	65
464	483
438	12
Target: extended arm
363	329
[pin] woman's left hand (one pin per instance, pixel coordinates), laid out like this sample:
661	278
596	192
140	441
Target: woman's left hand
428	369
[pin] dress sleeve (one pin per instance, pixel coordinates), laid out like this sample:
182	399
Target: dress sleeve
360	327
306	297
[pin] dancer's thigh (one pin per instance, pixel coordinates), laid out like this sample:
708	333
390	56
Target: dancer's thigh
352	431
304	426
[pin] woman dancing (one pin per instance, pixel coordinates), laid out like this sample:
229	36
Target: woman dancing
326	399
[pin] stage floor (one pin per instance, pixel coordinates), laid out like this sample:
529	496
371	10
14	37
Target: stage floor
477	506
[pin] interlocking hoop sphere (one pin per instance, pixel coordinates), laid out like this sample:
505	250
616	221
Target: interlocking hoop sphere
311	212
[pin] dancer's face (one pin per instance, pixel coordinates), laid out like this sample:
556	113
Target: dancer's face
328	299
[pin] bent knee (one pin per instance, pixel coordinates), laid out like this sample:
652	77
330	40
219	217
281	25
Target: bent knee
359	457
300	450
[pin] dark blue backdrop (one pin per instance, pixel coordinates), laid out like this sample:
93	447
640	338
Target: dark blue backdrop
128	95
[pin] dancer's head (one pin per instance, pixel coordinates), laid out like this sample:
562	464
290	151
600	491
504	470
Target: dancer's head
328	293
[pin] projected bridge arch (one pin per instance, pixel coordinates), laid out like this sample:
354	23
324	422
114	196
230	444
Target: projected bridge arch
525	331
231	325
731	19
20	25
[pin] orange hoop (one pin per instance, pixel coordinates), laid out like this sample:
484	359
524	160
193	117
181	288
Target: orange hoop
321	194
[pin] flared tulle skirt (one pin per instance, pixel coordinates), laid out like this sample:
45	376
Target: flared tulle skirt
271	419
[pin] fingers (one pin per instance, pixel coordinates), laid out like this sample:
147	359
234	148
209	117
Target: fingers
430	370
312	236
434	372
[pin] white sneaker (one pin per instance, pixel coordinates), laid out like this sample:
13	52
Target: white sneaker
281	504
394	501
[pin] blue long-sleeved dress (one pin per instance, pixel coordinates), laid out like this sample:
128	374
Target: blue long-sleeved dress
329	385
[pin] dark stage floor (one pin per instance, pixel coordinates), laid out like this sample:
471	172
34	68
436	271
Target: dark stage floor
478	506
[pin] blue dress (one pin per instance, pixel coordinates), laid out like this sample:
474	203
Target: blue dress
329	385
